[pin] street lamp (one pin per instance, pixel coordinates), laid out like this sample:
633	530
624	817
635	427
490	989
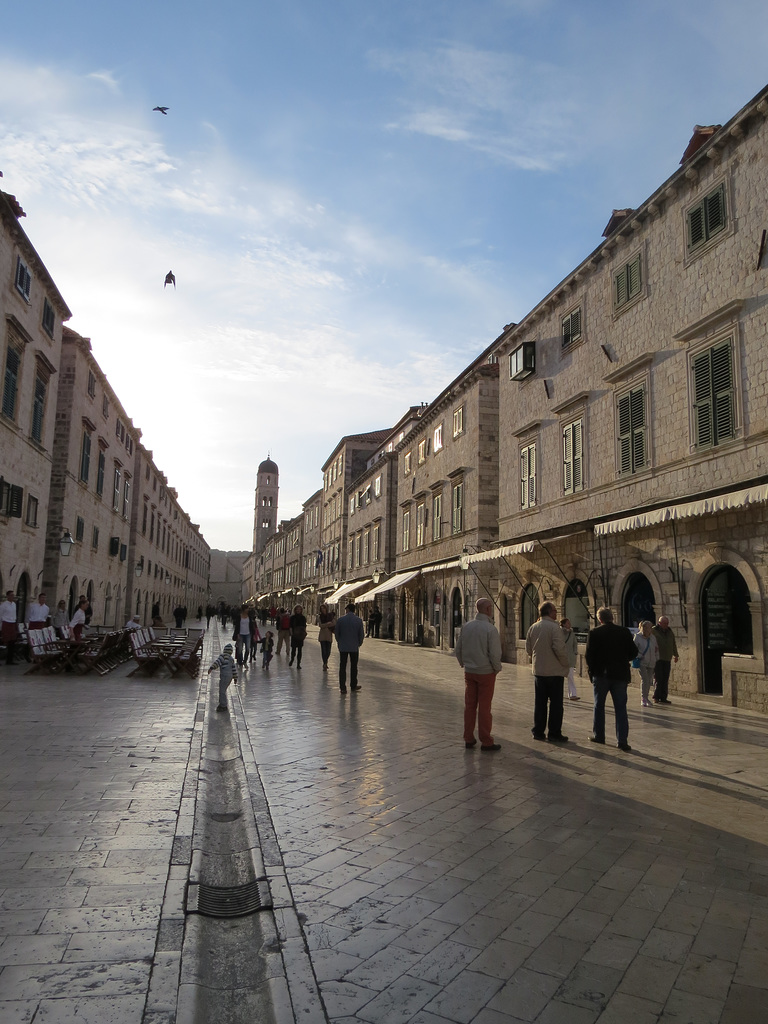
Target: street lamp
139	568
167	577
65	544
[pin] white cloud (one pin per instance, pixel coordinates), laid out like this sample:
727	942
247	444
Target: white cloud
516	110
281	333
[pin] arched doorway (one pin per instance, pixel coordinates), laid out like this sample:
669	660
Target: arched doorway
637	603
118	608
436	603
577	607
74	594
455	614
89	595
107	603
726	623
419	601
529	608
22	598
403	605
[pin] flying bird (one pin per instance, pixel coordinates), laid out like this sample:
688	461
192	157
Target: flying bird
163	110
169	279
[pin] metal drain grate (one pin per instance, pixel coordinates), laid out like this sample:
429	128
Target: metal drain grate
230	901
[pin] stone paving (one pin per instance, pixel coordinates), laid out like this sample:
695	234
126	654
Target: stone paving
541	883
414	881
94	845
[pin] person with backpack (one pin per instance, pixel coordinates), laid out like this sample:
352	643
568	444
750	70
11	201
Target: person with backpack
283	630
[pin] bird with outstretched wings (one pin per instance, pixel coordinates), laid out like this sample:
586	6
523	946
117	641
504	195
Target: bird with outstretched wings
162	110
169	279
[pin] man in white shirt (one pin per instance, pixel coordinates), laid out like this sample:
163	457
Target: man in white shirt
9	630
478	650
78	620
39	613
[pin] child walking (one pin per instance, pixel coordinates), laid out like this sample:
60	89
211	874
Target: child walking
227	673
267	647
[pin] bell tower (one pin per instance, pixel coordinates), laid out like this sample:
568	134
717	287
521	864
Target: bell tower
265	509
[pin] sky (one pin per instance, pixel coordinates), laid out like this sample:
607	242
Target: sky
354	197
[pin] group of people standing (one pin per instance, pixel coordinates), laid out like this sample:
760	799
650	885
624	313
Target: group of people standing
38	616
611	651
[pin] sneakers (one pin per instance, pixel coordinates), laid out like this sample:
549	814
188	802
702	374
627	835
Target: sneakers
645	703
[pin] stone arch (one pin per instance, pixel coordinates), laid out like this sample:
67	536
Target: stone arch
631	567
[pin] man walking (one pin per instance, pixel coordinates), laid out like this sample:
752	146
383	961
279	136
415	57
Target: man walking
545	644
667	651
478	650
350	634
610	649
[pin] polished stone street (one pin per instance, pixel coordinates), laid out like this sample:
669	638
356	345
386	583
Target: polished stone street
413	880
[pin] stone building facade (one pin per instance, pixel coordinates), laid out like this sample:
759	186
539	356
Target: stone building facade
633	415
32	312
447	496
71	460
92	480
169	561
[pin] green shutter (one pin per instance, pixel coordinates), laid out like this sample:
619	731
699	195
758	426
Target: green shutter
567	460
620	287
696	226
10	384
578	458
702	400
722	387
637	403
634	279
715	209
625	435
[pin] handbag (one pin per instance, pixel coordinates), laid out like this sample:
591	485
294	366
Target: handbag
639	657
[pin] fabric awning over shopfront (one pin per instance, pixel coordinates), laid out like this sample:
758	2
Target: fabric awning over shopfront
395	581
702	507
443	565
508	549
346	588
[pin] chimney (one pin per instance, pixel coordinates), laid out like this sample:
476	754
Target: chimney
701	134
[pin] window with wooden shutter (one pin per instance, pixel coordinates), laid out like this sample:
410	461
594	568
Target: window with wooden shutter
573	459
38	408
457	518
85	457
632	441
406	530
23	278
713	396
571	327
627	282
528	476
707	218
11	382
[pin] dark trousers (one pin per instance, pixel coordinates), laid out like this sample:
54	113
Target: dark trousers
353	659
602	686
297	646
548	697
325	650
661	676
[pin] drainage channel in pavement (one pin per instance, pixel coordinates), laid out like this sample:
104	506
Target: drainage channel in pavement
230	955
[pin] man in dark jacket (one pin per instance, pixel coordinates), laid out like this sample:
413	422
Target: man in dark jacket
610	649
349	633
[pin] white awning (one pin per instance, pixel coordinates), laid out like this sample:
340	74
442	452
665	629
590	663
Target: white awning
507	549
346	588
443	565
394	581
702	507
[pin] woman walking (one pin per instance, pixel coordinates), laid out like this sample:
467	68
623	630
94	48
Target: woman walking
572	647
647	655
326	620
298	629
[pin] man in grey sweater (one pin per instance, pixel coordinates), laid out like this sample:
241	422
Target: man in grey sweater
478	650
